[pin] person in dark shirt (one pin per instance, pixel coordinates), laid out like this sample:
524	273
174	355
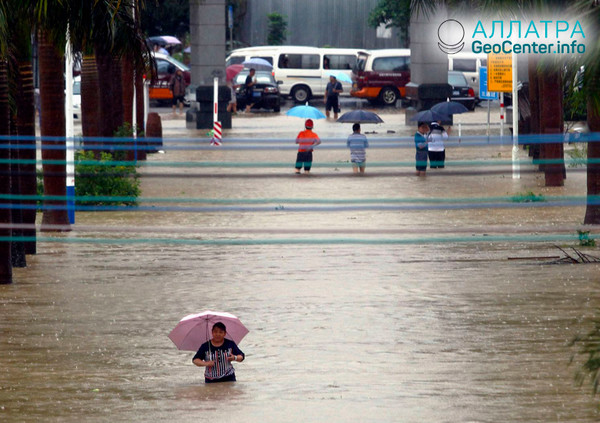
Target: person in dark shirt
217	355
332	94
421	148
249	89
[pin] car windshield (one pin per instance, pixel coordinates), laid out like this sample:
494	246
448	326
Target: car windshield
177	63
360	63
457	80
261	78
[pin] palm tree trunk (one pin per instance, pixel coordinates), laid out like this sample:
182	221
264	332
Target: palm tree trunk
551	122
18	257
52	96
592	211
128	81
25	100
5	213
534	149
108	107
139	112
90	88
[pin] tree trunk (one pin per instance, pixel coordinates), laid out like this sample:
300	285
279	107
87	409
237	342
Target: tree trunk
5	213
90	115
592	211
52	97
25	100
139	112
551	122
534	149
17	245
111	111
127	83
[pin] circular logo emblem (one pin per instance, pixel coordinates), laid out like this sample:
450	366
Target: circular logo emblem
451	34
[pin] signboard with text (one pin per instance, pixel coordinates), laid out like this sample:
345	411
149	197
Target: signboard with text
484	94
499	73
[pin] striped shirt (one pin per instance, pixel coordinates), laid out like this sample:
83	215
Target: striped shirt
222	367
357	143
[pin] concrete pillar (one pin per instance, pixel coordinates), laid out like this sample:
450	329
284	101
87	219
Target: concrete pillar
428	64
207	38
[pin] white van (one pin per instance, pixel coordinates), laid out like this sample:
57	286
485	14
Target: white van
303	71
469	64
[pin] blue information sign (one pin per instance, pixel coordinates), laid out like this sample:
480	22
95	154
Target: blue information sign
484	94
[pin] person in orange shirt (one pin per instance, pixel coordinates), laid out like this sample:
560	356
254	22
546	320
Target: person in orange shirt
306	140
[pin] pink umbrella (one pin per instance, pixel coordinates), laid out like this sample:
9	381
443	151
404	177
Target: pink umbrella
195	329
232	70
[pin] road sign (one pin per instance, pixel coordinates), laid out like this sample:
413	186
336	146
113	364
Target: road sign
484	94
500	72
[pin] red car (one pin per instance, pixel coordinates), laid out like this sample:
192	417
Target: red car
380	76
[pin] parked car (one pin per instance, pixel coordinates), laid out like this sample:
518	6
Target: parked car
166	67
380	76
303	71
469	64
265	92
461	91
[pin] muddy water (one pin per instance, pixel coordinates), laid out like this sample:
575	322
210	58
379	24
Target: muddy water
400	327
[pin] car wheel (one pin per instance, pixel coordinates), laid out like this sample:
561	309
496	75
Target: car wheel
276	109
388	96
470	105
301	94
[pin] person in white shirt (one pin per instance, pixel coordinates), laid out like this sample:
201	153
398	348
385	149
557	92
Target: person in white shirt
435	145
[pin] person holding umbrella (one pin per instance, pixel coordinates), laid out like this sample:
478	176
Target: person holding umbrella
217	354
421	146
249	89
436	150
332	96
306	140
357	143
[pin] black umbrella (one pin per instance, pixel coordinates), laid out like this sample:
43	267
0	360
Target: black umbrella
429	116
360	116
449	108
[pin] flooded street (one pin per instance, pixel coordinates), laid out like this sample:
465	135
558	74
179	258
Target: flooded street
383	298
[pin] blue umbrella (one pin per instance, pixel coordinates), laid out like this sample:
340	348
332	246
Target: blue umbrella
429	116
360	116
305	112
449	108
340	76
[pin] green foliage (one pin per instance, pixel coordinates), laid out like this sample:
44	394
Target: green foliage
166	17
585	240
578	155
392	13
277	26
102	178
527	197
589	347
575	98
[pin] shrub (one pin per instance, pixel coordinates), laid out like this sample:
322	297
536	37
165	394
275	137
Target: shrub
102	178
527	197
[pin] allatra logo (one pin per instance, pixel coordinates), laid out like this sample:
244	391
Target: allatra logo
451	34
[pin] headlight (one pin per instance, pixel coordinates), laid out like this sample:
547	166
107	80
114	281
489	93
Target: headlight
271	90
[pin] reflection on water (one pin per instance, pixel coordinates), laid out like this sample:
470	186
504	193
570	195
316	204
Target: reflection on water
339	332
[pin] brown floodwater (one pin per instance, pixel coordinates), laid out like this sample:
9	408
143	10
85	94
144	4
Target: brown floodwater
355	314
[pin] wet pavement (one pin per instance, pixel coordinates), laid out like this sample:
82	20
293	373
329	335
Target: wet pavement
386	297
